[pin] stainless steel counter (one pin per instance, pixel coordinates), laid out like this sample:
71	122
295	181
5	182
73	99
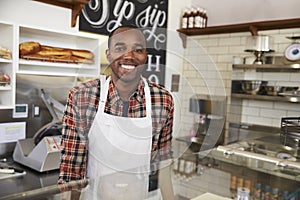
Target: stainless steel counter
35	185
30	181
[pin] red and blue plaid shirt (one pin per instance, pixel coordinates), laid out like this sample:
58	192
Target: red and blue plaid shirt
80	112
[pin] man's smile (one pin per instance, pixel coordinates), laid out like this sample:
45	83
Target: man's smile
129	67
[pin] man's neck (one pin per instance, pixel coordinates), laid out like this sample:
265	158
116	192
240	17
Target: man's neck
125	89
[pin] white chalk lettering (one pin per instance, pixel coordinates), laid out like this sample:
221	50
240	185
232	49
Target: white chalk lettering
121	11
156	65
96	8
153	78
153	18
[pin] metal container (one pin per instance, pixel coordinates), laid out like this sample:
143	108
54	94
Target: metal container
290	132
259	43
277	90
252	86
272	90
292	95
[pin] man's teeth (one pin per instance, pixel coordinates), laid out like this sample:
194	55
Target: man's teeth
128	66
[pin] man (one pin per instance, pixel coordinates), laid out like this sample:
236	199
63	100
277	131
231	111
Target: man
107	123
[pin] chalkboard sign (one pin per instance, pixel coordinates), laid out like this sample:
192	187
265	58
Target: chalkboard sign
103	16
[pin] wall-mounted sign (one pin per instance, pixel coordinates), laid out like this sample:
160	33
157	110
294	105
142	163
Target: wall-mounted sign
103	16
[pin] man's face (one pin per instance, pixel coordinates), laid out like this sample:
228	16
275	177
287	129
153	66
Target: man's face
127	54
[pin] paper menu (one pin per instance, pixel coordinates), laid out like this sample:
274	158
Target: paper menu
12	132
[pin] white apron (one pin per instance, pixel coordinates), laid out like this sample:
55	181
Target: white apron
119	153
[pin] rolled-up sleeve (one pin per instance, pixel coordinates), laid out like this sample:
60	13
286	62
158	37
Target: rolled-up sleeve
163	129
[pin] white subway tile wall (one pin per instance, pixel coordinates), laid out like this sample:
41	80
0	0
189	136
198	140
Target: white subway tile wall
208	70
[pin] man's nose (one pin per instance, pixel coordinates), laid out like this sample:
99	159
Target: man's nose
128	54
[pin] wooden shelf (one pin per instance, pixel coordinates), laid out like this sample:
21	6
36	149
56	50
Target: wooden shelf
75	5
253	27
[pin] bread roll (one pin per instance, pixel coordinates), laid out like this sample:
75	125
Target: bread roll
55	54
82	60
26	48
83	53
5	53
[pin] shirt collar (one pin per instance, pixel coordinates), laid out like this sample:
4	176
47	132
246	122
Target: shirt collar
138	94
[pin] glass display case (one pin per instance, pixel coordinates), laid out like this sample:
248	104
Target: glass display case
219	172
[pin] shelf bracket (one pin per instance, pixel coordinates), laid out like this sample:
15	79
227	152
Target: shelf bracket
183	39
253	30
76	9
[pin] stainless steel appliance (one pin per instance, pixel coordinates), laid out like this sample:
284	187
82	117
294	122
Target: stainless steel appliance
44	156
209	122
42	152
28	91
290	133
265	150
259	45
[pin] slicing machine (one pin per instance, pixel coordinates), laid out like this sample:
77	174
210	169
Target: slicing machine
42	152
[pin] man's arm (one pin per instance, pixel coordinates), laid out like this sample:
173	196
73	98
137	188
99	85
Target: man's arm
74	151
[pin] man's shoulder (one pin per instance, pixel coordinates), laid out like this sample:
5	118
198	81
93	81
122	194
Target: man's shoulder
89	84
86	87
158	89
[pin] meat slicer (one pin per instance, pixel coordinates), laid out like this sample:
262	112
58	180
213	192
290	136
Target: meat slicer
42	152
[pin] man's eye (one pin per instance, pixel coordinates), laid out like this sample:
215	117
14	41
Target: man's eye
119	49
139	50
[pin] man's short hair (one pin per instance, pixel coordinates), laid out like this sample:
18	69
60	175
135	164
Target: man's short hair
131	26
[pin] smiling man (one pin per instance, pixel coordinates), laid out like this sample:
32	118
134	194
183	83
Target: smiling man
121	124
127	55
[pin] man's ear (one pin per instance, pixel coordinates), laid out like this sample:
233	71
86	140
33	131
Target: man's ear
108	56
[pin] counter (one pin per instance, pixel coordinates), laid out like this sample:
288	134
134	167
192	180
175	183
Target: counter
193	174
32	180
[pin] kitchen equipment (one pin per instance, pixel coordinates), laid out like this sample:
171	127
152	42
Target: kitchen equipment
292	96
252	86
42	152
267	153
7	174
259	45
272	90
42	157
290	133
259	55
294	93
292	52
208	126
54	127
277	90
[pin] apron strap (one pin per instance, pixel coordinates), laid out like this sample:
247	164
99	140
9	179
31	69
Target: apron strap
103	92
148	98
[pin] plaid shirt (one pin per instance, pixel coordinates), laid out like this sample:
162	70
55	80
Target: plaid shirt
81	109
